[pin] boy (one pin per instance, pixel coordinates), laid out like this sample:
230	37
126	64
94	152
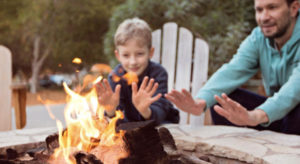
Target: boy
143	100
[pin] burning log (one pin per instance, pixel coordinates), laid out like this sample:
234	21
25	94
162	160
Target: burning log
143	143
83	158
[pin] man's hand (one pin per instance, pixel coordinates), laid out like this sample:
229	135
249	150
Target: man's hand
107	97
142	98
184	101
237	114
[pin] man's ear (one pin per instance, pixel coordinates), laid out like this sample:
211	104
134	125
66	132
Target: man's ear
295	6
117	55
151	53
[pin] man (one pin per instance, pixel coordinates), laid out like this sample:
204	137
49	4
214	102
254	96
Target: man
274	49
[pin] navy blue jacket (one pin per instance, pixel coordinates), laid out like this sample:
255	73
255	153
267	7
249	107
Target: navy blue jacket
162	110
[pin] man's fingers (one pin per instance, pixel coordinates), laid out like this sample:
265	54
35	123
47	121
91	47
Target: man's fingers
186	93
225	103
235	105
178	95
221	101
170	97
221	111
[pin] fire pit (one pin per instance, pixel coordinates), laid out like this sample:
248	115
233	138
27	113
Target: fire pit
143	144
92	138
220	144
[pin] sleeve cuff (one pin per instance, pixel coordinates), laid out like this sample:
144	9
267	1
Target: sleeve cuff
208	97
268	109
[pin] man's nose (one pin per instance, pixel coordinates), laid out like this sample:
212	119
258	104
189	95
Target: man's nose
265	16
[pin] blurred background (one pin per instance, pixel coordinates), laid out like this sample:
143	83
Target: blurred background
46	36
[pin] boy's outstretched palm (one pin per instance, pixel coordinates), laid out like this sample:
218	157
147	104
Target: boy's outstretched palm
142	98
108	98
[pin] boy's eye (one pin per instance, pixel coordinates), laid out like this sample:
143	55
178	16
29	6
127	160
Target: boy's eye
125	55
140	54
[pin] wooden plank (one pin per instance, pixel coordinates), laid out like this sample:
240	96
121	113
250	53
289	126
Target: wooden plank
169	51
184	65
200	69
5	91
156	43
19	99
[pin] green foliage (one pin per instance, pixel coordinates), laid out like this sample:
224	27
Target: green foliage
85	28
69	28
223	24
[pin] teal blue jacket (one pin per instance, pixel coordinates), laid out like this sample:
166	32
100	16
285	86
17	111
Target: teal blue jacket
280	72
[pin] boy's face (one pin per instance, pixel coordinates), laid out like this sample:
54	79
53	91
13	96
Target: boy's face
134	56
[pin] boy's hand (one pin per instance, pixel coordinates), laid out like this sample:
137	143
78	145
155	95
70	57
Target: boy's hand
142	98
107	97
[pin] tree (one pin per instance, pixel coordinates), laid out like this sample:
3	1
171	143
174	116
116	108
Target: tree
56	32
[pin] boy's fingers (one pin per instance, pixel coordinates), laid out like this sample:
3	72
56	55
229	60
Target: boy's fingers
134	88
117	90
144	83
154	88
149	87
106	83
155	98
100	87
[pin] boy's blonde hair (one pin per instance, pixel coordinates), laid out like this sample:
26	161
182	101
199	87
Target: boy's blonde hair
133	28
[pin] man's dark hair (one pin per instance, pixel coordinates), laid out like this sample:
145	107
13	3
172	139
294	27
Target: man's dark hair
289	2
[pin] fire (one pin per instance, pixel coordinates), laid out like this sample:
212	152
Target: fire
130	77
87	128
77	61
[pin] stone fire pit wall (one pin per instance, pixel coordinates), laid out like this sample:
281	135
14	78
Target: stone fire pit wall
243	144
259	147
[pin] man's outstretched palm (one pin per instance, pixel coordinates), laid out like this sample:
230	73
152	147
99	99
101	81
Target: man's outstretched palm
184	101
235	112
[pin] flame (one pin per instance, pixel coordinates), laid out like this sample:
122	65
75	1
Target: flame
77	61
130	77
87	127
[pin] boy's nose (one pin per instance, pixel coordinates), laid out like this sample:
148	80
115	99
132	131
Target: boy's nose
132	60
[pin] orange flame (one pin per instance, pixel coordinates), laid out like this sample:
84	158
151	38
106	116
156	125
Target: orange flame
86	126
130	77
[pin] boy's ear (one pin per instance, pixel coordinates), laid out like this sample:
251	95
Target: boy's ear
117	55
151	53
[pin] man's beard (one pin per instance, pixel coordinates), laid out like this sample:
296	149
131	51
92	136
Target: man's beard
280	32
